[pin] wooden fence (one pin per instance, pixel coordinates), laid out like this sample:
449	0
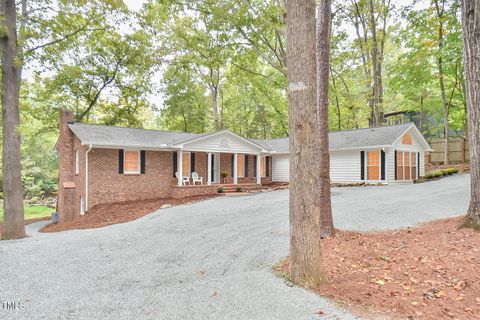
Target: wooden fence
458	150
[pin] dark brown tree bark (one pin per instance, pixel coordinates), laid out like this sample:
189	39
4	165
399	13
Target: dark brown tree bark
305	192
471	40
323	67
14	223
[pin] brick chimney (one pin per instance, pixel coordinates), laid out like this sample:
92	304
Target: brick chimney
66	186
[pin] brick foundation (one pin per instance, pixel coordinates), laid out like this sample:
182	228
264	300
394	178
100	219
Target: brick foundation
190	191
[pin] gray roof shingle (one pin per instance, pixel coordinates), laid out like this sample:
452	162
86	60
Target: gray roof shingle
358	138
128	137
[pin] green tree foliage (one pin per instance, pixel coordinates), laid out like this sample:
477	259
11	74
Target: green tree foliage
93	57
197	66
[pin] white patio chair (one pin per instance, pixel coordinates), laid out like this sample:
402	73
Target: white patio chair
196	178
185	179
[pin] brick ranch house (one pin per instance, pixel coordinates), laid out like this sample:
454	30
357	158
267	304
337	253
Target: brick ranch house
106	164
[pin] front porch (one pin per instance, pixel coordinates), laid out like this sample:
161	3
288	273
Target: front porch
221	169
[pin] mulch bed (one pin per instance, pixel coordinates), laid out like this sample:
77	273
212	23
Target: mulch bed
462	167
108	214
427	272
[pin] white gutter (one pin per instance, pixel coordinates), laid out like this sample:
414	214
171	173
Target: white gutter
86	176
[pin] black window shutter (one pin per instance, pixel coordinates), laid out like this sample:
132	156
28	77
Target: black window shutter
233	159
382	164
192	162
255	166
418	165
120	161
362	165
142	161
246	165
174	163
395	164
267	166
213	168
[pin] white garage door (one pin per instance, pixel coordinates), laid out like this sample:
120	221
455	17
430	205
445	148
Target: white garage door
280	168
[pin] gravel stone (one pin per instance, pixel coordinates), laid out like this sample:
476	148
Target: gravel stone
206	260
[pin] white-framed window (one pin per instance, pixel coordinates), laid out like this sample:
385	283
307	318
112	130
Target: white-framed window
240	165
77	162
373	165
131	161
406	165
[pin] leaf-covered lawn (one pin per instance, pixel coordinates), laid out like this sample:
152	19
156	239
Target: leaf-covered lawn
33	212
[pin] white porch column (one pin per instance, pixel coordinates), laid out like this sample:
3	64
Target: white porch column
235	171
259	175
209	168
180	166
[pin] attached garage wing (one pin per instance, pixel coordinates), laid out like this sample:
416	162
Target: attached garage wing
280	168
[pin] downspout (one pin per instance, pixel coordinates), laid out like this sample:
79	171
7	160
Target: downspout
86	176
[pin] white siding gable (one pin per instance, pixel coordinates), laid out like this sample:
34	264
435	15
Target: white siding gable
280	168
417	143
222	142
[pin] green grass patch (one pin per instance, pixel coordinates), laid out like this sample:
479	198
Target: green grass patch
33	212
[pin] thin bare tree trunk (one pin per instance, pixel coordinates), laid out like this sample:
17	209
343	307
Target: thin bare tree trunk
337	102
375	87
14	223
323	65
214	83
305	192
471	40
441	76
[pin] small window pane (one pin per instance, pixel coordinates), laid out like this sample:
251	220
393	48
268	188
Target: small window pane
186	164
407	138
132	162
240	165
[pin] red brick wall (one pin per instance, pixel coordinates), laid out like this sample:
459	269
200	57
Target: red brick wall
189	191
66	196
106	185
201	165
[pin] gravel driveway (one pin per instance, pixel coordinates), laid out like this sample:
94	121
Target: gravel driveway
208	260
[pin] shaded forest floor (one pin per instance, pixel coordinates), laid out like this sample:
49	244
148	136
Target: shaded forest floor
108	214
427	272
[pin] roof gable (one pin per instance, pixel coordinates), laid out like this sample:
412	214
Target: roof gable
225	141
418	140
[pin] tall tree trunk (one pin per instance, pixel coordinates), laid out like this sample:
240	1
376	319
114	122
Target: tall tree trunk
323	35
471	40
376	84
337	102
441	76
214	83
305	188
14	223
